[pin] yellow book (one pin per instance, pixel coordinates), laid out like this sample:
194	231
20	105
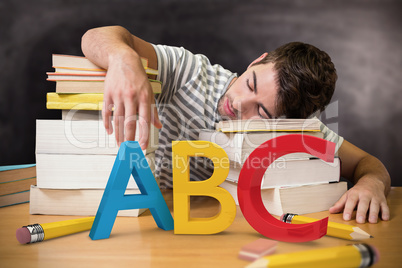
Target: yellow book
83	101
73	99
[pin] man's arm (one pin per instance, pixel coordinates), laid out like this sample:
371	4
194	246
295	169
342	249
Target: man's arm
372	184
127	89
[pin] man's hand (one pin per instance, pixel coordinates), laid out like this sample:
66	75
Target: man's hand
129	93
372	184
368	197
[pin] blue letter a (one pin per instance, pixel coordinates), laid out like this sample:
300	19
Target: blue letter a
115	199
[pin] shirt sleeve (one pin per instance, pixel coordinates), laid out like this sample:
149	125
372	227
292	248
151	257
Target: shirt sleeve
176	66
330	135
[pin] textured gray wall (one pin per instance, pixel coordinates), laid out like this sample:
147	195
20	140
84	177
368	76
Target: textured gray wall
363	38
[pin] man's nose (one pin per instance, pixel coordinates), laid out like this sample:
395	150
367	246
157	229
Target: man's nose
243	104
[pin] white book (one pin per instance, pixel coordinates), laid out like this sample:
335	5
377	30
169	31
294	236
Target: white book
75	171
81	202
81	115
83	64
296	199
239	145
294	172
281	124
74	62
81	137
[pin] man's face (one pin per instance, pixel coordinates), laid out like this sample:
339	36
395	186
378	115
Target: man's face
252	95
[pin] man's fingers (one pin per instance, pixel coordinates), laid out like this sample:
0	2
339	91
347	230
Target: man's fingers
144	133
154	115
351	202
385	214
119	122
130	121
374	210
339	205
362	208
107	116
144	119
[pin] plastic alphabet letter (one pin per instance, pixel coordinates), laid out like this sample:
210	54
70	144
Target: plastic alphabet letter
183	188
249	187
114	198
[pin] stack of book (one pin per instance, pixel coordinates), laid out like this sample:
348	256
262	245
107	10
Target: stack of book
75	155
295	183
15	182
80	83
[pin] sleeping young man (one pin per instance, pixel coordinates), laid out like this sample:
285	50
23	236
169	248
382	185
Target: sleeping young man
294	81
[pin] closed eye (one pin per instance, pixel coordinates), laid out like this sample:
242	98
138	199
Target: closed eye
248	85
260	109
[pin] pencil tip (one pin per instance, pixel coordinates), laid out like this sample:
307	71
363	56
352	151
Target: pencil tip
371	236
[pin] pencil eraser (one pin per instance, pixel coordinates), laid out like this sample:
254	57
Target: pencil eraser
23	235
257	249
376	254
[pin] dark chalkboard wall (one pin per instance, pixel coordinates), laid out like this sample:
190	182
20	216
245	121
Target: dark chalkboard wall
363	38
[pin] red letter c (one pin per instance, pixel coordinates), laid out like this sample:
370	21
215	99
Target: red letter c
249	187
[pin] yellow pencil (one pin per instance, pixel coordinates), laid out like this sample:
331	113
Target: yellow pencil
334	229
359	255
39	232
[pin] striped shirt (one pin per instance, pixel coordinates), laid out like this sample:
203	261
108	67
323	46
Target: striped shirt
191	88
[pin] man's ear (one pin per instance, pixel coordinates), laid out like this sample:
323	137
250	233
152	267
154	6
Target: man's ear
258	59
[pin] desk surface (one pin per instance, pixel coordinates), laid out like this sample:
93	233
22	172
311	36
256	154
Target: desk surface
137	242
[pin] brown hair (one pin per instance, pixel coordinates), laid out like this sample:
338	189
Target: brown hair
306	79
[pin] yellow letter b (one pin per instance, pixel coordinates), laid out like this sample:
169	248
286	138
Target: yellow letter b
183	188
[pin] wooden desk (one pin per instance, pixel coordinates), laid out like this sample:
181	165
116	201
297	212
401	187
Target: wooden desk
137	242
